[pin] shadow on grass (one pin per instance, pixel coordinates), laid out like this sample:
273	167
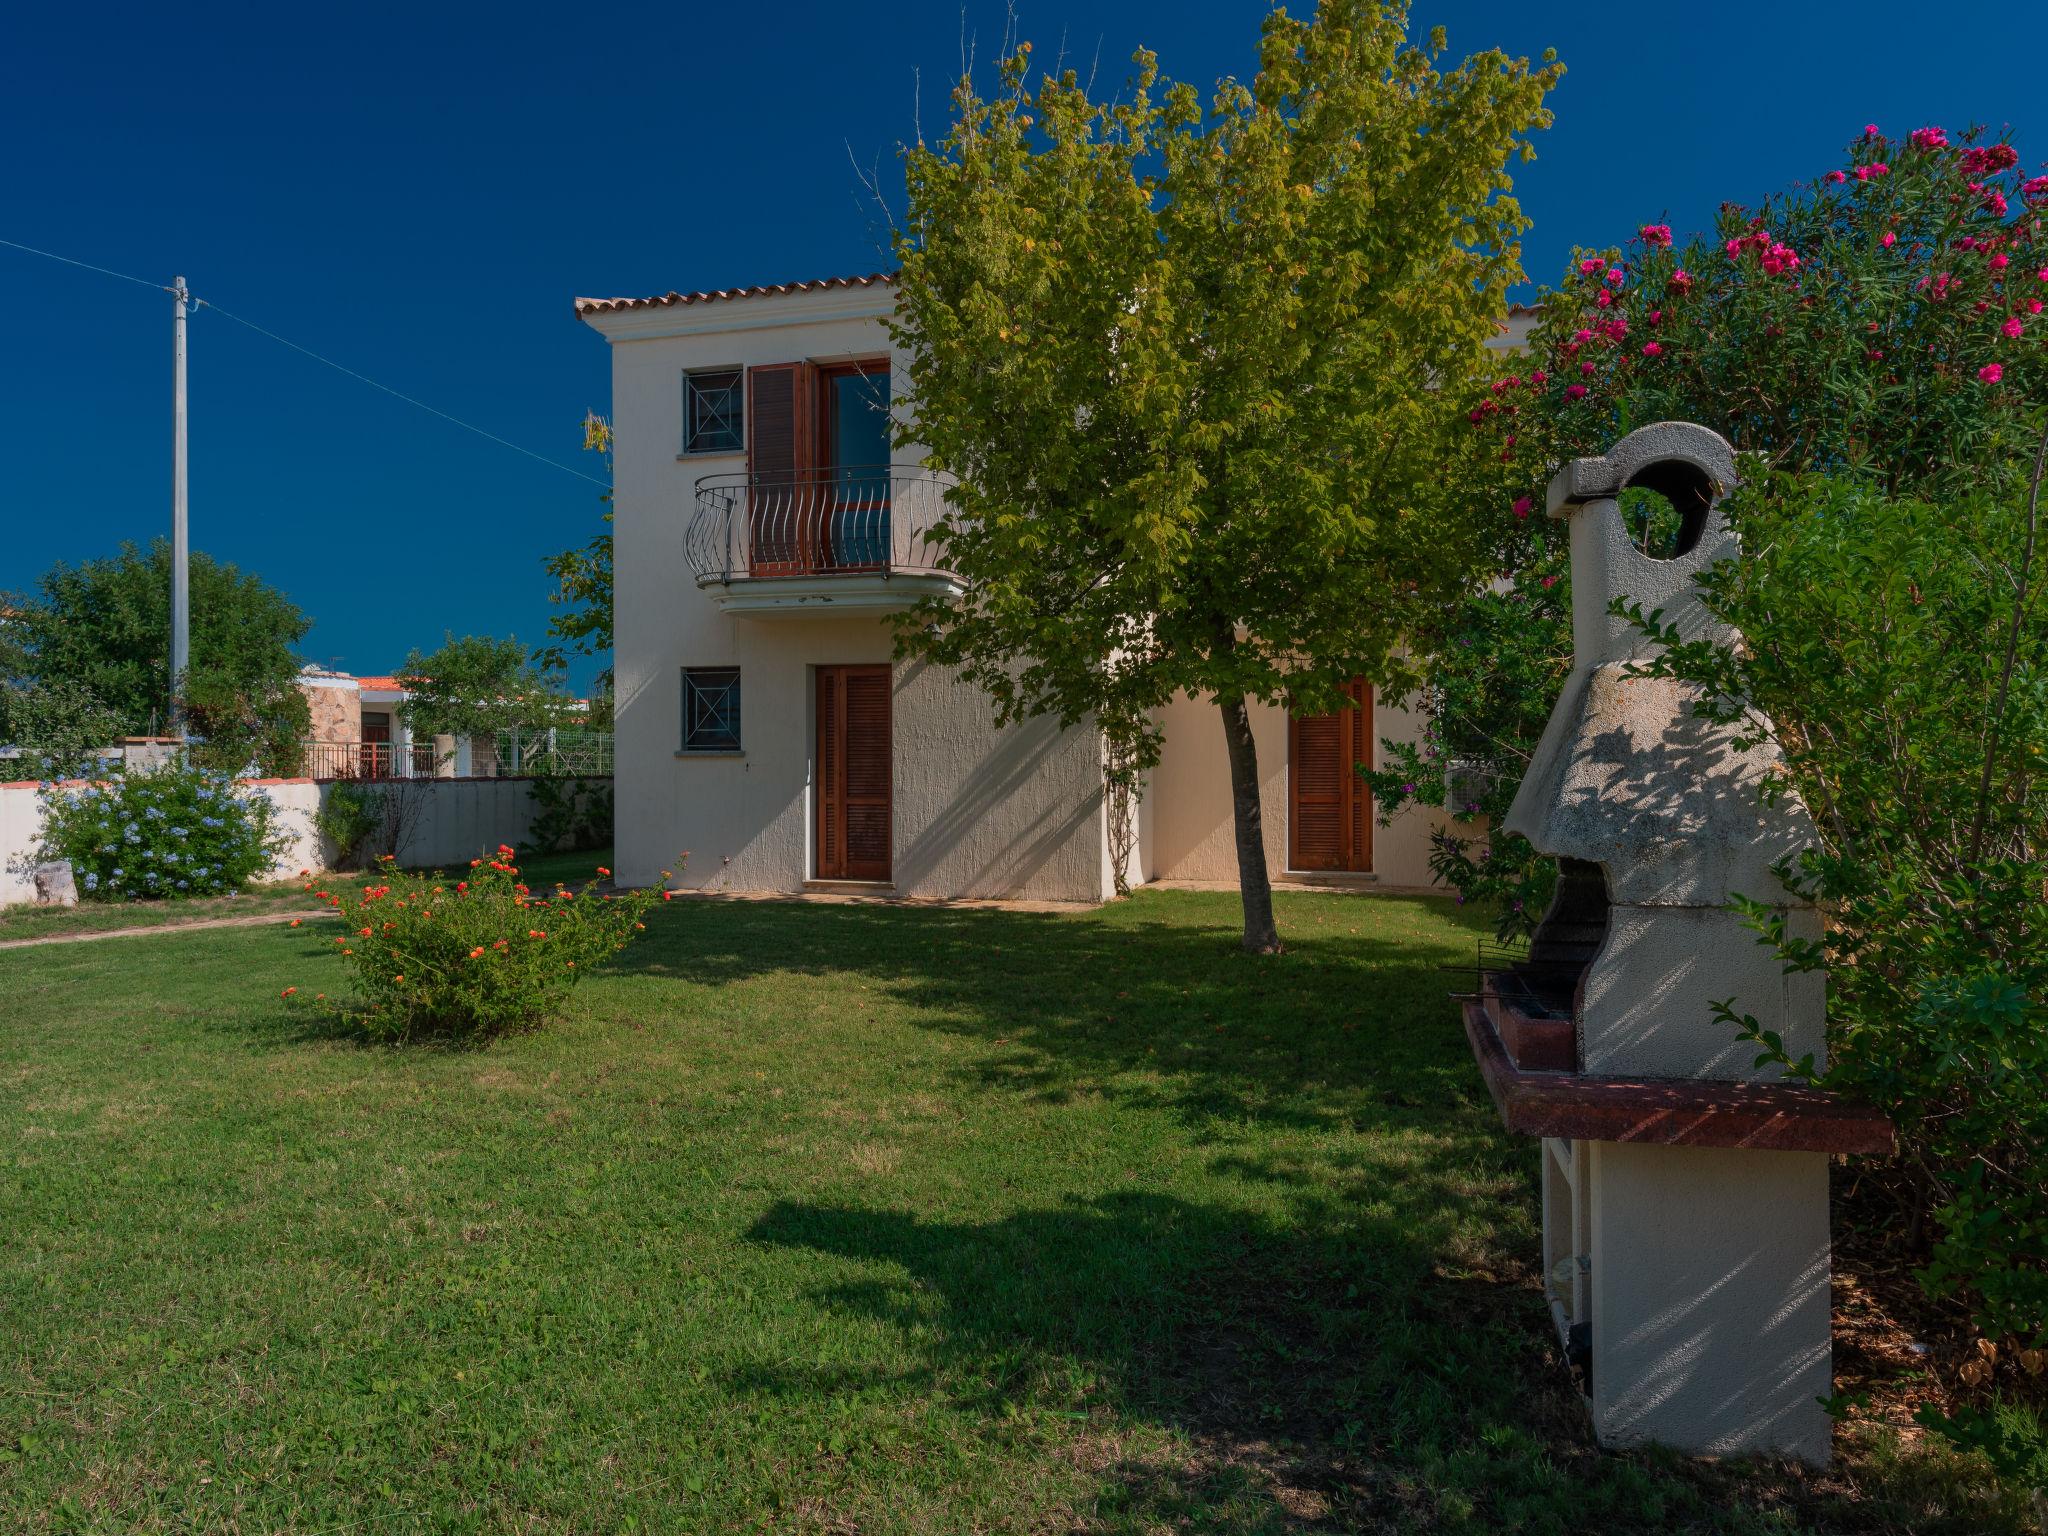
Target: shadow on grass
1312	1377
1135	1002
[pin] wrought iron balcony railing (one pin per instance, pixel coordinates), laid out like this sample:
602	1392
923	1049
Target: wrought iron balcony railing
367	760
859	520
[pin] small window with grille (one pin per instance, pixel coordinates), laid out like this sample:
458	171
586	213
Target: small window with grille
711	709
713	421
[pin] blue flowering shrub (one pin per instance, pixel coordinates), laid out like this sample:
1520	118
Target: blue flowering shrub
171	833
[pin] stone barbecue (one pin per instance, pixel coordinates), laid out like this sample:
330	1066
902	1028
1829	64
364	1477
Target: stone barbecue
1685	1192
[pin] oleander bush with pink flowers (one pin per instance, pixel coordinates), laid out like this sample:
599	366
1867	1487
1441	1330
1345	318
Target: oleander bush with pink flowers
470	958
1873	344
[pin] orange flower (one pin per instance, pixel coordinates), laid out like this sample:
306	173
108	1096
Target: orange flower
295	922
474	953
366	933
602	870
288	991
572	965
535	933
399	977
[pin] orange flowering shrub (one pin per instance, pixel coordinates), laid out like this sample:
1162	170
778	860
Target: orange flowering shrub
476	957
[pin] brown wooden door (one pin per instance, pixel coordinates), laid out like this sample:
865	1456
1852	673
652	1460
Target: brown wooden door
854	773
782	489
1329	808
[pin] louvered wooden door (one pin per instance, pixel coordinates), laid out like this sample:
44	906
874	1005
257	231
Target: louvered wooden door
1329	808
854	773
782	484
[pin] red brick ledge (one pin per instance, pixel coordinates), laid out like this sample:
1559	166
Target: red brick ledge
1775	1117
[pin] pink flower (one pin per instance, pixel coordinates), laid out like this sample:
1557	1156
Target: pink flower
1656	315
1575	392
2033	306
1994	203
2035	186
1875	168
1586	370
1991	373
1614	277
1989	159
1837	177
1888	240
1929	138
2013	327
1539	378
2000	261
1681	280
1591	265
1522	506
1653	349
1603	298
1583	334
1656	236
1870	130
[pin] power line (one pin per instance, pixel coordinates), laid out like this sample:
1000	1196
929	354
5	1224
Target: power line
330	362
399	395
109	271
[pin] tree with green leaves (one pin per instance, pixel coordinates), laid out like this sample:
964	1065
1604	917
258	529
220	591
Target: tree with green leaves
59	727
1199	373
104	626
478	685
583	583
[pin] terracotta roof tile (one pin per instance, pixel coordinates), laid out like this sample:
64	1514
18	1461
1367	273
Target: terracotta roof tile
668	300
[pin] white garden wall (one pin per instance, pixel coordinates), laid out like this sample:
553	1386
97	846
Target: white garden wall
456	820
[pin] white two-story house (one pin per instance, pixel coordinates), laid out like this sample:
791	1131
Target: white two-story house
765	530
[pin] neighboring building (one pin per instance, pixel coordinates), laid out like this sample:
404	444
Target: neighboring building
358	732
764	530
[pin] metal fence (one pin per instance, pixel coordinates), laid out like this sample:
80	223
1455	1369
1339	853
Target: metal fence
552	752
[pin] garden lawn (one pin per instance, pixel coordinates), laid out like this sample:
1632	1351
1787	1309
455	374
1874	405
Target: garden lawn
826	1218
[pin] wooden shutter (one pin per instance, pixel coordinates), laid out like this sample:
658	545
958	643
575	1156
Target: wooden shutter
1329	808
855	773
781	458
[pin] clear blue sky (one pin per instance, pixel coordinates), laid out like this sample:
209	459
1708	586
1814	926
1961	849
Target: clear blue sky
418	191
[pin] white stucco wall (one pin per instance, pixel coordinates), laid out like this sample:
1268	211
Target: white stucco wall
1190	832
977	811
454	821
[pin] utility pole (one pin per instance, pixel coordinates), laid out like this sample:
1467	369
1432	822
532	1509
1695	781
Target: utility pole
181	593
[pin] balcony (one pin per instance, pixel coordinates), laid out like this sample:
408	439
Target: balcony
376	760
845	540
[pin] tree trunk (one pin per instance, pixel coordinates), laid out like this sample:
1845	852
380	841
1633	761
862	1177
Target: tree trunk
1260	936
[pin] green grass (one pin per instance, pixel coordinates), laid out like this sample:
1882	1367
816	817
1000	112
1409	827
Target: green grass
813	1218
25	920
